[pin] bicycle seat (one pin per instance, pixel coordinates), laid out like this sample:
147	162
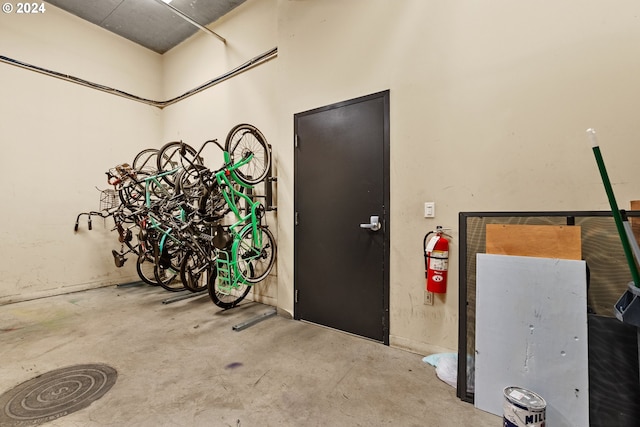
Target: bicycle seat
126	236
222	238
118	258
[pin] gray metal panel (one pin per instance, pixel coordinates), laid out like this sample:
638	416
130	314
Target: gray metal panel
92	11
531	332
147	22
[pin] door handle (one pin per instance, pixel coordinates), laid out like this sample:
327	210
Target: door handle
374	224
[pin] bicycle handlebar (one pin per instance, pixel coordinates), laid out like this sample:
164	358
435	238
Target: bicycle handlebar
230	166
88	214
213	141
112	179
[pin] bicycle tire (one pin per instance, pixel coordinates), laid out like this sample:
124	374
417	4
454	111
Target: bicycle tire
132	193
169	158
260	261
167	271
168	278
189	183
195	271
213	205
223	298
245	138
190	180
146	160
145	266
208	201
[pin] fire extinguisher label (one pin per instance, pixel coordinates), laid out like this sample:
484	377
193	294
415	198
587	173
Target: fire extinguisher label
438	260
432	244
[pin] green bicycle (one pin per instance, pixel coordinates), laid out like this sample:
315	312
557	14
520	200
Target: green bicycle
246	248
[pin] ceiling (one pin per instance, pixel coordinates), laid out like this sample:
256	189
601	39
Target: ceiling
149	23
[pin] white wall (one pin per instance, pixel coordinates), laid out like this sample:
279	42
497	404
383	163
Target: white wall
58	139
489	106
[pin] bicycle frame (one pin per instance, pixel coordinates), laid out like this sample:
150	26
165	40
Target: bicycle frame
224	179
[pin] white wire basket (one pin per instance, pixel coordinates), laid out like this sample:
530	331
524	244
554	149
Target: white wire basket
109	199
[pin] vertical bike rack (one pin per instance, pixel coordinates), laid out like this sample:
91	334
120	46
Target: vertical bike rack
268	186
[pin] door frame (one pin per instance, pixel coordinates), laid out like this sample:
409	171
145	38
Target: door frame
385	96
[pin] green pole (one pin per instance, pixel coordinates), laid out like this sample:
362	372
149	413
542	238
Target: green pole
591	133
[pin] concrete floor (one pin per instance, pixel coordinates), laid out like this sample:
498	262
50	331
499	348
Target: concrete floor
182	364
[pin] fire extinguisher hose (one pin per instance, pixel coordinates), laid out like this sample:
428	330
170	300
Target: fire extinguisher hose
424	251
424	242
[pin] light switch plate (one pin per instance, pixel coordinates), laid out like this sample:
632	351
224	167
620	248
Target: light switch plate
429	210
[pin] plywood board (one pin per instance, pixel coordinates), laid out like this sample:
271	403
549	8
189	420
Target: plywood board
546	241
531	332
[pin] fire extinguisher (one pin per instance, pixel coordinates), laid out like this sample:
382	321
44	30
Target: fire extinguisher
436	261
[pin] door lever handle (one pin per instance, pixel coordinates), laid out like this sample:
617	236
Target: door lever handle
374	224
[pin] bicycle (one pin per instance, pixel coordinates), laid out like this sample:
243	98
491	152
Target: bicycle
163	246
247	248
177	205
163	233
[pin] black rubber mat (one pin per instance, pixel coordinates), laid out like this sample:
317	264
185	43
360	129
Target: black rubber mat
614	391
55	394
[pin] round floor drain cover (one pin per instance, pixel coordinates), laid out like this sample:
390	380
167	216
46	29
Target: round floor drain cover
55	394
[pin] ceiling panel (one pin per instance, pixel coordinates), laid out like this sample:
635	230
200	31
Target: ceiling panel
149	23
92	11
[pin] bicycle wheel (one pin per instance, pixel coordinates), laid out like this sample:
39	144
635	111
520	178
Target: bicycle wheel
167	269
168	278
189	182
146	160
146	269
196	271
246	139
203	194
225	296
213	205
258	261
170	158
132	193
